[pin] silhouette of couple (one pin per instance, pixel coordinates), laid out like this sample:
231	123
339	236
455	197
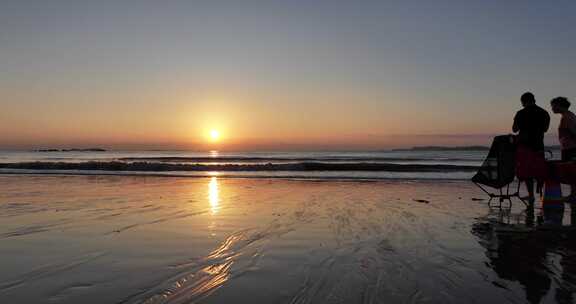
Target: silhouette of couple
532	122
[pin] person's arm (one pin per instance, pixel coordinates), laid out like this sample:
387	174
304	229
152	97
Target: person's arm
515	127
571	124
546	122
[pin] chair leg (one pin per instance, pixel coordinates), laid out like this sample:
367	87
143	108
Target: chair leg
503	195
517	194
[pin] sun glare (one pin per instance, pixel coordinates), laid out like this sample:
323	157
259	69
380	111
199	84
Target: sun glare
214	135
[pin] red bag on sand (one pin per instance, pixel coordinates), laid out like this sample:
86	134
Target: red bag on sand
530	164
552	195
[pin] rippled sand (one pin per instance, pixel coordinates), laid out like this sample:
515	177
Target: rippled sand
90	239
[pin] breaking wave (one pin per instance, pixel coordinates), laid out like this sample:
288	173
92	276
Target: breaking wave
144	166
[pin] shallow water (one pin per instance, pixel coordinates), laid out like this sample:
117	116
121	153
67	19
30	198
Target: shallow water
113	239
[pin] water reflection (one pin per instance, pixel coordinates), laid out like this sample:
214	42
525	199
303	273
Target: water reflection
541	257
214	195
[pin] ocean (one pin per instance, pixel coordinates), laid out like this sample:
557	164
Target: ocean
391	164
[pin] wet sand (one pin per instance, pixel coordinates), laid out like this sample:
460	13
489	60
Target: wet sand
113	239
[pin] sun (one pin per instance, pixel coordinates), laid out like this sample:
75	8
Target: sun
214	135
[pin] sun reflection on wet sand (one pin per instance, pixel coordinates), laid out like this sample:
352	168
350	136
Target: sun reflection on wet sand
196	285
214	195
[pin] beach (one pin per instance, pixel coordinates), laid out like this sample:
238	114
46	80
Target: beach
149	239
287	152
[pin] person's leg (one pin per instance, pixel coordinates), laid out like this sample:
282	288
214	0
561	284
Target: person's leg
571	156
530	214
539	187
530	188
568	156
572	193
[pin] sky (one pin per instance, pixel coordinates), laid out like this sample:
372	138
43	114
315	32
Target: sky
277	74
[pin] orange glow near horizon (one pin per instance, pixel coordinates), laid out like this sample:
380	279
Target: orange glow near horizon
248	124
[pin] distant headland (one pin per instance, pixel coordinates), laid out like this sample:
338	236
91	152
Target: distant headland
457	148
445	148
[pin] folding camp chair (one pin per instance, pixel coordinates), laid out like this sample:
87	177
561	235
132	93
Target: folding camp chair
498	172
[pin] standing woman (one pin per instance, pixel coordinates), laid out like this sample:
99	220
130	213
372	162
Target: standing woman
566	134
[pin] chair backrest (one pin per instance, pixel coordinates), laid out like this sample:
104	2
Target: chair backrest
498	168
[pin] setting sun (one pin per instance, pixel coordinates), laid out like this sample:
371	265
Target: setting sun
214	135
332	151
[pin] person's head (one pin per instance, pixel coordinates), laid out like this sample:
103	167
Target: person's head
560	104
527	99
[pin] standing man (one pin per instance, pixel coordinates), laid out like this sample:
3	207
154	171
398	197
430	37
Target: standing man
566	135
531	123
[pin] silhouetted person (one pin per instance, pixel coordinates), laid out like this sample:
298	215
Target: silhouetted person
566	134
531	123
